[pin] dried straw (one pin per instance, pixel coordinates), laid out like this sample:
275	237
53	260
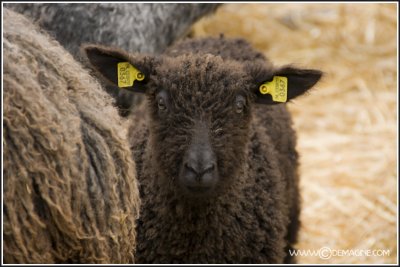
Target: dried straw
346	127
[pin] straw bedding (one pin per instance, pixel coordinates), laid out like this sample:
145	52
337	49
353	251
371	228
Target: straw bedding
346	126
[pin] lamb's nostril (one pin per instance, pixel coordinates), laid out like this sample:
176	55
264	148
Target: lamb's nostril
191	168
208	169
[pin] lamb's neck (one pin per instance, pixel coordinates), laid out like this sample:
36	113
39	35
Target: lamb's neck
174	200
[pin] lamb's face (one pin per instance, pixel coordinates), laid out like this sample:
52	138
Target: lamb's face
201	109
200	112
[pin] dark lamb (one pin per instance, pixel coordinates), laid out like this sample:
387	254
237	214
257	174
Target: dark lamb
70	190
215	157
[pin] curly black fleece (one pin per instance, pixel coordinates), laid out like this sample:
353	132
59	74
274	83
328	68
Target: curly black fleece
254	215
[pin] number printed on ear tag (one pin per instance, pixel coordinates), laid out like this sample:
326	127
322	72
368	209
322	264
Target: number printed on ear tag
127	74
277	88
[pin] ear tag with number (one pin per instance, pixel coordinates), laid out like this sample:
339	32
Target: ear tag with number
127	74
277	88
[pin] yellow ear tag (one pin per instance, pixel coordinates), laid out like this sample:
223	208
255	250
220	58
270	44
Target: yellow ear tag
127	74
277	88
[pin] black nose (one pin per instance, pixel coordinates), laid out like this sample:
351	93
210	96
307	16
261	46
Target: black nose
199	171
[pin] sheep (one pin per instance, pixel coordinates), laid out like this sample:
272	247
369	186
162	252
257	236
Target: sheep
216	157
135	27
70	190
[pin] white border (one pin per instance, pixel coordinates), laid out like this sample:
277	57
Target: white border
294	2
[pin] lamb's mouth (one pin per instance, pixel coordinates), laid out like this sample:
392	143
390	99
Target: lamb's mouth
199	189
198	193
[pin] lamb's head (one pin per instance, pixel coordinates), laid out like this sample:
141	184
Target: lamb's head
200	111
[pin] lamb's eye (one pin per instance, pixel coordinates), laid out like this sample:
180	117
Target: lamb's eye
218	132
240	103
161	104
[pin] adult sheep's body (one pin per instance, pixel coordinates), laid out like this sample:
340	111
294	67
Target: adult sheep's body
217	171
135	27
70	191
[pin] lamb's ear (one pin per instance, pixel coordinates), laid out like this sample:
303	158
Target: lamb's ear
286	83
118	67
299	80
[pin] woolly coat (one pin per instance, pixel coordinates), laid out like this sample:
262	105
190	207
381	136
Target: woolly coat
70	191
255	219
